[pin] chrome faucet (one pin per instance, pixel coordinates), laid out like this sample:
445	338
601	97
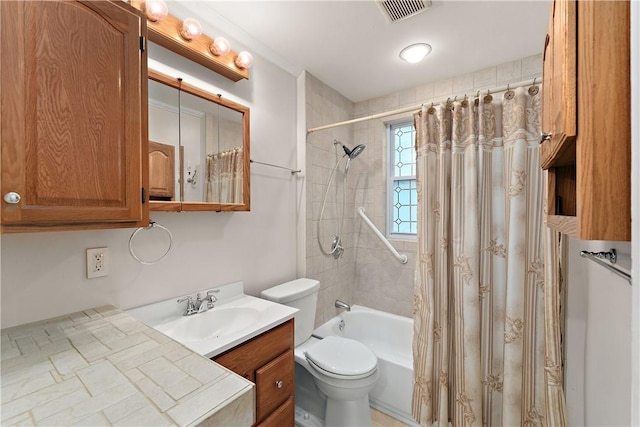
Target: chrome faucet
191	308
343	305
201	304
207	303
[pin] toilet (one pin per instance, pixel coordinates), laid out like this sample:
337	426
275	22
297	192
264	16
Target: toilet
344	370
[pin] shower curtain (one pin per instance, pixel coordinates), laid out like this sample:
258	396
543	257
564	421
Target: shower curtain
479	300
224	176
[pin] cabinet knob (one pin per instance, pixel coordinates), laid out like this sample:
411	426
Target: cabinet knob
12	198
545	137
279	384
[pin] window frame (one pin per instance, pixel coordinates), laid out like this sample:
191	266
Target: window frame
391	179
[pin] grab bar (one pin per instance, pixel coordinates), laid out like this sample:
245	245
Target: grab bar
612	256
401	257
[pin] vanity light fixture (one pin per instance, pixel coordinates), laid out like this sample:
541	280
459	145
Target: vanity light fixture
182	38
156	10
415	53
191	29
244	60
220	46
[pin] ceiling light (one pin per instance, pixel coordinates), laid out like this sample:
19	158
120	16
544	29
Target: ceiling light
156	10
415	52
220	46
191	29
244	60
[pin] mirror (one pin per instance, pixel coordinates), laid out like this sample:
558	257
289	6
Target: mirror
198	148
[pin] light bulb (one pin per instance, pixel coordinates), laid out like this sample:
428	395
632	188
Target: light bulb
220	46
156	10
415	52
244	60
191	29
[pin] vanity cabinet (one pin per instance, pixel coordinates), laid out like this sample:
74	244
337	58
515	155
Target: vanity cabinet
74	115
586	111
268	361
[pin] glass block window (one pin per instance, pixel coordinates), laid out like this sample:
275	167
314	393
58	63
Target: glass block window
403	196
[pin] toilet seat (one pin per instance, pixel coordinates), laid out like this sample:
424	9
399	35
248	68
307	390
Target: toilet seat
344	358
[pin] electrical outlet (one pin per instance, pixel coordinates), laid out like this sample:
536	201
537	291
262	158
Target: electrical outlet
97	262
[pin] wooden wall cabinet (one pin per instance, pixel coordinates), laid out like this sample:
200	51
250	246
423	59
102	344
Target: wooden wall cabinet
268	361
586	109
162	171
74	115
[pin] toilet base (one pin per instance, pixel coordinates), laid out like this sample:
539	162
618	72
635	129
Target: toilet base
305	419
346	413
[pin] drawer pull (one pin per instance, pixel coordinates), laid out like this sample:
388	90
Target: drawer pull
545	137
279	384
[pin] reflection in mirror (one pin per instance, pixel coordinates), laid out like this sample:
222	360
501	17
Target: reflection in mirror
225	158
164	140
209	139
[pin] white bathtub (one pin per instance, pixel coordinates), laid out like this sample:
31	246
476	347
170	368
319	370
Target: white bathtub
390	337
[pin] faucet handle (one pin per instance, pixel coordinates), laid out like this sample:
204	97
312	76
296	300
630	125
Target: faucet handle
191	308
212	297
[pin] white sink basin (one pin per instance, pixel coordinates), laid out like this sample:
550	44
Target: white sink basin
214	323
235	318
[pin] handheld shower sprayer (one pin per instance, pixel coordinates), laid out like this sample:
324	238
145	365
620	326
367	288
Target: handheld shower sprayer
336	245
351	153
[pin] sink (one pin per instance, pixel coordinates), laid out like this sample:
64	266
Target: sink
236	318
213	323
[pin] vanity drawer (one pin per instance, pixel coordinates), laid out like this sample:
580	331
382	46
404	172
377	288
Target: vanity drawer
274	384
283	416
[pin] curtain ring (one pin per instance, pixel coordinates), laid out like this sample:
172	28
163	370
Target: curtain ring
465	101
487	98
431	109
533	89
509	94
152	224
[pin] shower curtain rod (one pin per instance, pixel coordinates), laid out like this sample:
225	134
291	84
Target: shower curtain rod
418	107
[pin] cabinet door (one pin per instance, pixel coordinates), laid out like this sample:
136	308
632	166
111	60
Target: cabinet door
73	123
559	93
282	417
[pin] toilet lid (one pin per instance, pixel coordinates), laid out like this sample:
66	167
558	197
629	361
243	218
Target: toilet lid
342	357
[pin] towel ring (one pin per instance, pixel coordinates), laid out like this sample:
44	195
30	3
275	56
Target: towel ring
152	224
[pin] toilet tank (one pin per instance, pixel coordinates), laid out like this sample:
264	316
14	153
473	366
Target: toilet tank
301	294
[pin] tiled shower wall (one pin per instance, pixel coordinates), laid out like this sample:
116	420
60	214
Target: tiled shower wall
368	274
325	105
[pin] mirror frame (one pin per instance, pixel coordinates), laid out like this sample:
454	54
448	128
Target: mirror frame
179	206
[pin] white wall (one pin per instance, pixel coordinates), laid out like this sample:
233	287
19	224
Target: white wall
43	274
597	338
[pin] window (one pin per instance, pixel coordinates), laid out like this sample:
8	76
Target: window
402	193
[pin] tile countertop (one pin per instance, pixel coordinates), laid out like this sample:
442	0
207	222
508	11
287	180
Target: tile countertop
103	367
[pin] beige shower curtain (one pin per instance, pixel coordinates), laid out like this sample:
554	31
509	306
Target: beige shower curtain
224	176
479	301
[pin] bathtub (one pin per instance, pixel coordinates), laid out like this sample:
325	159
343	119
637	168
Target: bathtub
390	337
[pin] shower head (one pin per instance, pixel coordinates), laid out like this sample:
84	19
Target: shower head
356	150
353	153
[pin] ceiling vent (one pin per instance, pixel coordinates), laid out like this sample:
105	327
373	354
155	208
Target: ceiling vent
397	10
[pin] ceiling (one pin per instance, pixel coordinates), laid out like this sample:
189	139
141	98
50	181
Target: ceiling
353	47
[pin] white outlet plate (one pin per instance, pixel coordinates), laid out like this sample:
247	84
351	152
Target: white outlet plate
97	262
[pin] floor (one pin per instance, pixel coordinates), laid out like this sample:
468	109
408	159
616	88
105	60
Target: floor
378	419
